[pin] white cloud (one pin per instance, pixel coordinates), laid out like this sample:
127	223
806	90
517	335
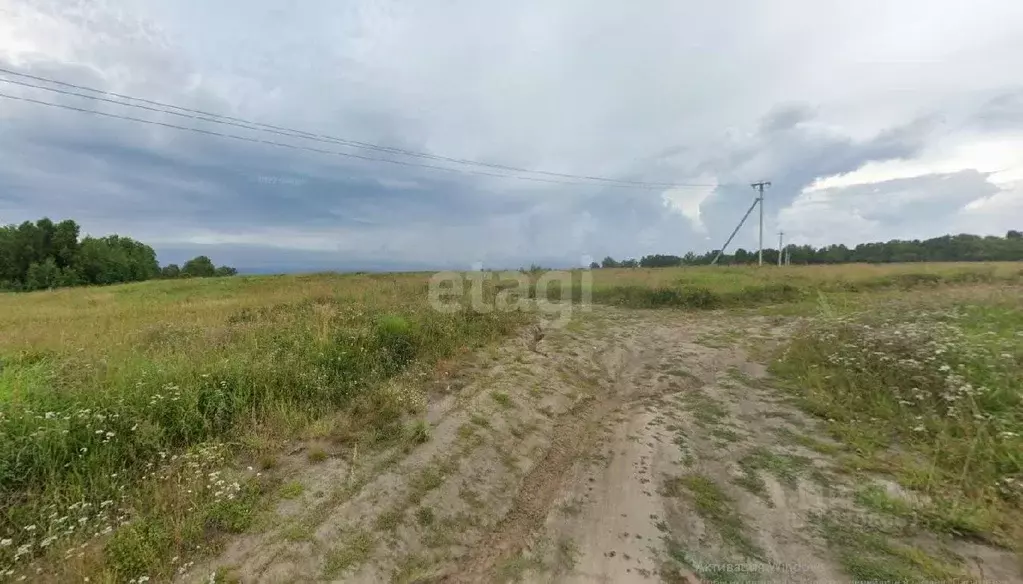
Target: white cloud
1002	157
688	201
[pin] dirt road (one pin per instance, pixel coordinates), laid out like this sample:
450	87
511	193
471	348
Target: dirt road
626	447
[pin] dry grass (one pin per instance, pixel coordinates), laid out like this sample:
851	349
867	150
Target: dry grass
721	278
926	388
103	389
726	287
124	410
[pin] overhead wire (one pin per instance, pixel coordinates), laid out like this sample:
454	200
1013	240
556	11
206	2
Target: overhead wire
318	150
291	132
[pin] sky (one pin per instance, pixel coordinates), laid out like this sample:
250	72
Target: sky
873	120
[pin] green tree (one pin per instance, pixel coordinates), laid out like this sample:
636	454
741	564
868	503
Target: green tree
43	275
660	261
44	254
100	263
65	243
45	230
170	271
198	267
69	276
113	259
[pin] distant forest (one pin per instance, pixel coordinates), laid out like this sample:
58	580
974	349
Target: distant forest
44	254
948	248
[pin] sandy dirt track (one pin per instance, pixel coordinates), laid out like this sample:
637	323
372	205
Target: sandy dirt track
627	447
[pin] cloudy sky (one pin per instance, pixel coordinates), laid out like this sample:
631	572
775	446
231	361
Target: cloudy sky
874	119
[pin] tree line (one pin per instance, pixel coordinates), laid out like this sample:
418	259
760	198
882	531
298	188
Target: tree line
947	248
44	254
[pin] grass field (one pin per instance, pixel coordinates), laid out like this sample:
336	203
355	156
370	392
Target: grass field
134	419
722	287
117	404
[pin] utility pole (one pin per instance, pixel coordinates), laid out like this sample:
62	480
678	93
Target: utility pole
781	237
760	187
732	236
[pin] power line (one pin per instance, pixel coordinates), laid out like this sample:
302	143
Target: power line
284	131
313	149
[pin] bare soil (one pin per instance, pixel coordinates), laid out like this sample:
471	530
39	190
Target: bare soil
628	446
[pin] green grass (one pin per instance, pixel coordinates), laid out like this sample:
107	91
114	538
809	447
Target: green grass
413	568
425	516
730	287
390	520
718	510
292	490
566	555
808	442
869	551
354	548
751	480
419	432
502	398
514	569
724	434
929	392
102	390
786	468
705	410
425	481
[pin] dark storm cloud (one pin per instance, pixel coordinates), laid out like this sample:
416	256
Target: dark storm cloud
715	94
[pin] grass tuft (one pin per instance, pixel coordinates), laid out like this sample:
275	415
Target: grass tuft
718	510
